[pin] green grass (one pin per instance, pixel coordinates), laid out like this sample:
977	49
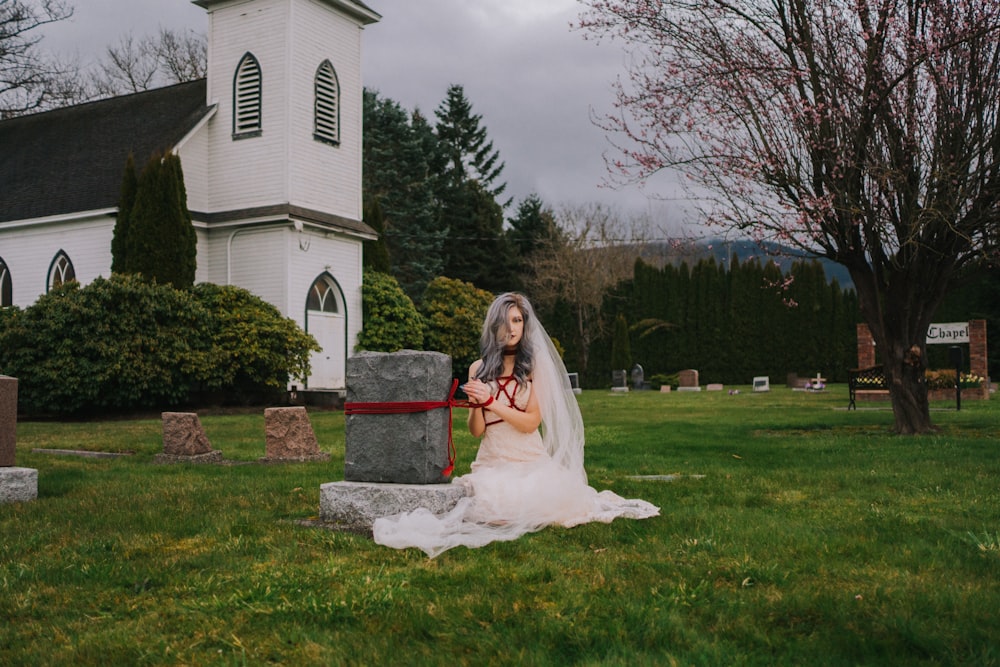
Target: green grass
814	537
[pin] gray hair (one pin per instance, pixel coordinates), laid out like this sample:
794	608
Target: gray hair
493	339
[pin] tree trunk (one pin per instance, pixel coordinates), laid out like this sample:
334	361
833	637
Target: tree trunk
905	366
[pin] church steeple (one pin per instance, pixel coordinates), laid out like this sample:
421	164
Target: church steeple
285	76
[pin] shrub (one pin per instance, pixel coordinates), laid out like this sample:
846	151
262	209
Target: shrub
123	344
391	321
254	348
453	313
117	344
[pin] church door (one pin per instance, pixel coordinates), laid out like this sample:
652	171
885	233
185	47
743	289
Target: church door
326	322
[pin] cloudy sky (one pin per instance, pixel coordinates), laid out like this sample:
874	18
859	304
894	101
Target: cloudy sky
534	80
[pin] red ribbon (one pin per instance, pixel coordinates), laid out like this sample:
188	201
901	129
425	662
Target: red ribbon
408	407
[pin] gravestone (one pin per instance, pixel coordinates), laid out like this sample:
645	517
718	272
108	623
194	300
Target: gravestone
574	382
638	378
289	436
16	484
402	447
687	380
619	380
184	440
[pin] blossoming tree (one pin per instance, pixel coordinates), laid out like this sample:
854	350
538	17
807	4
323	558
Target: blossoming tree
864	131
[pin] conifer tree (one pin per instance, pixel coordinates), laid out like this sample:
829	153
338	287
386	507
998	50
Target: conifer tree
161	243
376	255
400	162
119	242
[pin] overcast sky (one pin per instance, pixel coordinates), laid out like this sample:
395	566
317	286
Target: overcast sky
534	80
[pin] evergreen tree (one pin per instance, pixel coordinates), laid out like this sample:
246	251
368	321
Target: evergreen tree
468	153
161	243
126	201
621	351
479	253
468	192
532	227
376	255
399	151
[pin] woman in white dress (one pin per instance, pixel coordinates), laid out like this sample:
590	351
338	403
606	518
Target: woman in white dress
528	472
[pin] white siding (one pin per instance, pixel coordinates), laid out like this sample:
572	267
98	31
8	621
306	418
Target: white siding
29	251
321	176
290	38
194	164
248	172
256	263
312	253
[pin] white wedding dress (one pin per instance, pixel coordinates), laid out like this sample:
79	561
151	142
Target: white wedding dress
520	482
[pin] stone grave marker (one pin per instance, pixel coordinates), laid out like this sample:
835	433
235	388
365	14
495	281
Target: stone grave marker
184	440
687	380
574	382
16	484
404	447
638	378
289	436
619	380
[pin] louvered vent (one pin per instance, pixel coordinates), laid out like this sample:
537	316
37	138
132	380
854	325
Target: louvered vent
246	98
327	126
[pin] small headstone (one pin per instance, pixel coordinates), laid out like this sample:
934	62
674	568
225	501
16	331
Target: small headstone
184	440
619	380
713	387
574	382
401	448
762	383
665	388
16	484
687	380
638	378
8	420
289	436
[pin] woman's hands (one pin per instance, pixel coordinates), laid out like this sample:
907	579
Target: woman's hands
478	392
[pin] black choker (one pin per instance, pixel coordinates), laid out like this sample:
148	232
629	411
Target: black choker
509	351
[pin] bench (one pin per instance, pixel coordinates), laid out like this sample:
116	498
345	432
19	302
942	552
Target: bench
865	379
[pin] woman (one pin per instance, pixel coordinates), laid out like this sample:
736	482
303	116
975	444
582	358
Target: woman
528	472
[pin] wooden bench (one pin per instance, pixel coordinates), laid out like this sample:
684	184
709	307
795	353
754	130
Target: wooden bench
865	379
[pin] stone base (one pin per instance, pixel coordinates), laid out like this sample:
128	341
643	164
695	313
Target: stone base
214	456
308	458
18	485
688	388
356	505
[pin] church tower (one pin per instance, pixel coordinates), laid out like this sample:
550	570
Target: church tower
286	78
274	176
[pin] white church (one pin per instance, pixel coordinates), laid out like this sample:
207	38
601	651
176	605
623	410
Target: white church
270	146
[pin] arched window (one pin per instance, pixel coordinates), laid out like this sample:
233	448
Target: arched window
323	295
61	271
6	289
247	98
327	122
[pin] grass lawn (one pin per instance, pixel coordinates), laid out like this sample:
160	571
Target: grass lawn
797	534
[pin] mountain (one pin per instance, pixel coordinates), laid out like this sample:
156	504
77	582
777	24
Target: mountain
722	250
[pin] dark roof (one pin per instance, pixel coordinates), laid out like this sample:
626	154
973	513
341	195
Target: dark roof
288	212
72	159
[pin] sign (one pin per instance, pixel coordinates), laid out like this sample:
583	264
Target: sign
950	332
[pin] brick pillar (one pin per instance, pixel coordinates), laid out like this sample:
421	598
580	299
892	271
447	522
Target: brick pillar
977	348
8	420
866	347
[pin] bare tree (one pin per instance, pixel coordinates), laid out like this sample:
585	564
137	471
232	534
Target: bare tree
863	131
594	250
28	78
136	64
